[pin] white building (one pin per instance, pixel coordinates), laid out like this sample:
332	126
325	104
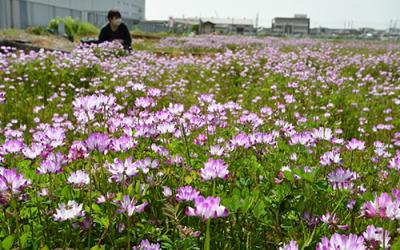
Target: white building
25	13
299	24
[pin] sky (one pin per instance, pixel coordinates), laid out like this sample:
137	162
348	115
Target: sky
378	14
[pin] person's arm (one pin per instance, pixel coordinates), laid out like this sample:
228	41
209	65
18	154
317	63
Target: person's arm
103	35
126	37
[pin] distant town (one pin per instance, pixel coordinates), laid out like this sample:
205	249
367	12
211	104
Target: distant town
28	13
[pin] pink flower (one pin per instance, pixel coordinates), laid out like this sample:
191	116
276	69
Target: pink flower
69	211
97	141
13	146
129	206
329	158
207	208
322	134
122	169
187	193
146	245
383	207
79	178
291	246
375	237
11	181
144	102
342	179
214	169
342	242
53	164
355	144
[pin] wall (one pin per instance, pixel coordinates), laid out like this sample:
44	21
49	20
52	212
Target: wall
25	13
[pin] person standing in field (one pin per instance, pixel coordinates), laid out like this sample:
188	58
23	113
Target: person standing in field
115	29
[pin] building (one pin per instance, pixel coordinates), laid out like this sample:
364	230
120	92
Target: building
153	26
231	25
211	25
207	27
299	24
25	13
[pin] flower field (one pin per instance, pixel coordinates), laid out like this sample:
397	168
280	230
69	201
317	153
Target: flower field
254	144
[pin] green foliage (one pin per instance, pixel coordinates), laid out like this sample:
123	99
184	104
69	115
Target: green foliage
73	27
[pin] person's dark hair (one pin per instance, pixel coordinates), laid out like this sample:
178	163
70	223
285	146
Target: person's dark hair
113	13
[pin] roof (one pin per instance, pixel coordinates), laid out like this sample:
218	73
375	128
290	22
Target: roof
217	21
229	21
292	18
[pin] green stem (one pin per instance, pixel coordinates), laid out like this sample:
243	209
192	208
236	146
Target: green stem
186	145
17	222
127	231
207	240
90	202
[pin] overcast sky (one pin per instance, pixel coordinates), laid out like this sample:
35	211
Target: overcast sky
327	13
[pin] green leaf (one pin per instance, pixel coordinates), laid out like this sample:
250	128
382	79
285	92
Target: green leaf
24	238
308	176
289	175
188	179
98	247
96	208
396	245
259	209
121	240
8	242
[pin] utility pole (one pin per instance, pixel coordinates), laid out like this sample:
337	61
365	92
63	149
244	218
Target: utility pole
257	17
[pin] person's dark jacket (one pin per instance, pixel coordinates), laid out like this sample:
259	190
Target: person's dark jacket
107	34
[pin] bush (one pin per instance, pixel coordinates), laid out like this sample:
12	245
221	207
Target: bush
40	31
73	28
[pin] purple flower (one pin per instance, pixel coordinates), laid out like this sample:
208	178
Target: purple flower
342	179
97	141
129	206
355	144
87	107
310	219
146	245
214	169
217	150
147	164
13	146
394	163
342	242
55	136
2	97
291	246
375	237
34	151
331	157
240	140
382	206
77	150
207	208
11	181
166	127
122	144
167	192
53	164
187	193
69	211
322	134
144	102
305	139
79	178
328	219
122	169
